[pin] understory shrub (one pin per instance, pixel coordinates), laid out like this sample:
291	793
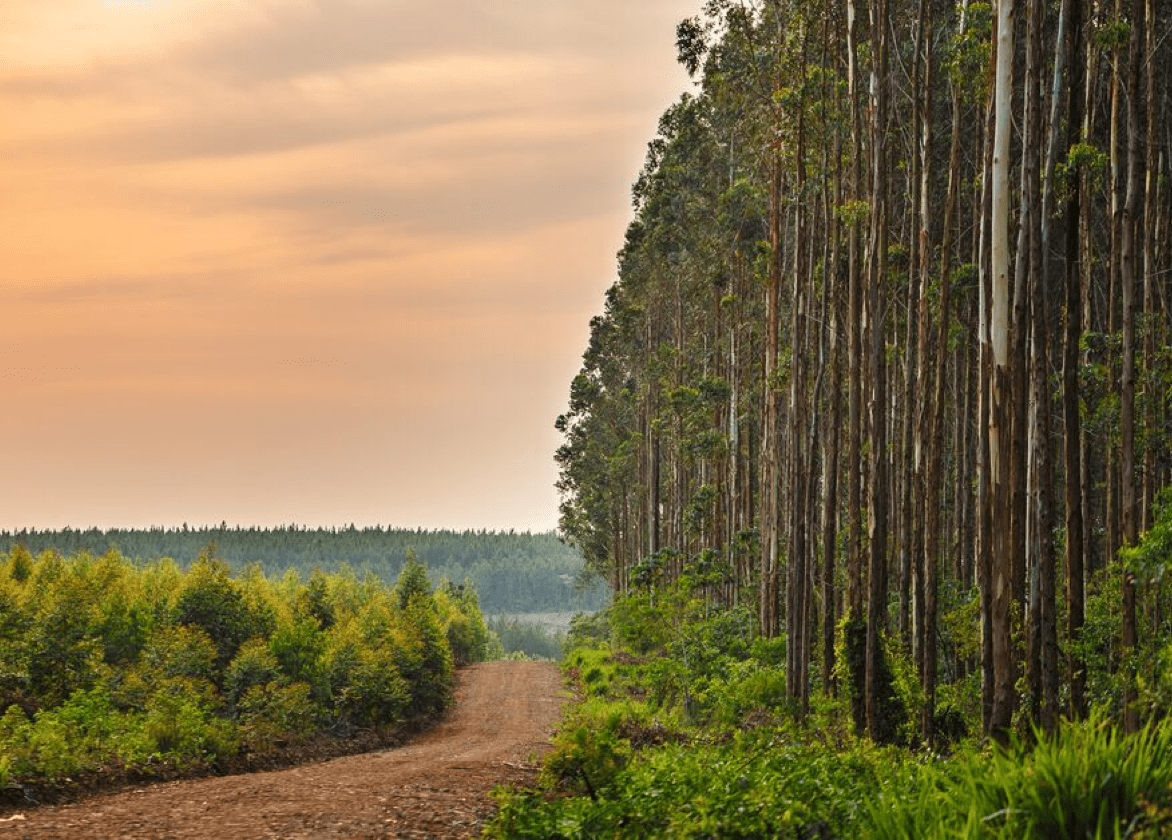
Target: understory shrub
754	786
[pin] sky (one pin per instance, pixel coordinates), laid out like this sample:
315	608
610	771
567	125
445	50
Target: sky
309	261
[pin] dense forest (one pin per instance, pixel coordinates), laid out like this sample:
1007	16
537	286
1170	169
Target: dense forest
512	572
887	361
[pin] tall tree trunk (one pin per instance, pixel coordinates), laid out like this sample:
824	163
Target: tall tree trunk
915	364
1112	466
1086	258
830	504
855	569
984	455
830	514
877	522
799	476
929	414
1075	562
855	572
934	482
1001	402
771	477
1150	482
1127	278
1042	627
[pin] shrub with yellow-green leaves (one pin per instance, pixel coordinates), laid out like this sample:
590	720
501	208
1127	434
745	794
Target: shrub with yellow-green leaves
108	663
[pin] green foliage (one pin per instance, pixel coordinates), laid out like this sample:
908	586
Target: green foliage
757	785
298	647
313	602
1099	644
697	738
852	212
272	712
253	665
368	690
104	663
588	758
588	630
751	691
850	665
413	583
1112	35
896	688
212	601
422	656
177	660
180	724
468	635
1151	558
1086	781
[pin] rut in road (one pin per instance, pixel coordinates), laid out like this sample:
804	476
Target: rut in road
436	786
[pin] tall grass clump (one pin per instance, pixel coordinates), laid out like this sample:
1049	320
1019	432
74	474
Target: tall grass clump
1087	781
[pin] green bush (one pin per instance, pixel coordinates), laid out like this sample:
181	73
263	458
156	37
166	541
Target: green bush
85	733
367	688
588	758
273	713
412	584
298	648
313	601
213	602
469	638
588	630
180	651
754	786
751	691
181	726
851	665
253	665
422	656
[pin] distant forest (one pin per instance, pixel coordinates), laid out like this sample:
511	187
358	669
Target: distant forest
512	572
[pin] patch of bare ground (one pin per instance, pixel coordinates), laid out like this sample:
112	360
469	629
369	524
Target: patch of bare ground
437	785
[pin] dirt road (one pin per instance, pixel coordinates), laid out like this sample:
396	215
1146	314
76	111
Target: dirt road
436	786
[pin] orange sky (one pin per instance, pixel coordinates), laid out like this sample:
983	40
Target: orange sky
312	261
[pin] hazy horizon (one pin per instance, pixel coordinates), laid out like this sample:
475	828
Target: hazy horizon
245	526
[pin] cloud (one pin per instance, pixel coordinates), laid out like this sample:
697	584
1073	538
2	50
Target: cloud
310	259
291	40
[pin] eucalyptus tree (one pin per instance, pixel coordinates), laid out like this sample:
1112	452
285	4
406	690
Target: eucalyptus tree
811	219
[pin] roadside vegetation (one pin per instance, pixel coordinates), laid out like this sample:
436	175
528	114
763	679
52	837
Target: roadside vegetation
682	728
117	669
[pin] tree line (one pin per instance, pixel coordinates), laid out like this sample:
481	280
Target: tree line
512	571
888	359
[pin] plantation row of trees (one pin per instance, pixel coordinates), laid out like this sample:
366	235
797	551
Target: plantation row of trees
512	571
888	355
106	663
